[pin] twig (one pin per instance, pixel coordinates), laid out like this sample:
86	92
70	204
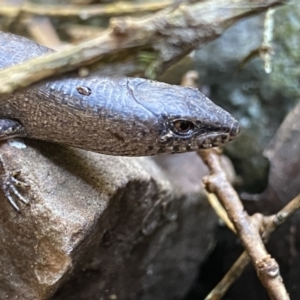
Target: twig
235	271
81	32
167	36
266	267
82	11
190	79
270	224
266	51
220	211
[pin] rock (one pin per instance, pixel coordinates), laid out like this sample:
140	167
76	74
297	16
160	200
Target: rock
98	227
284	156
236	80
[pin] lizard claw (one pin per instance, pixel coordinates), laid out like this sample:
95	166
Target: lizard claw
10	185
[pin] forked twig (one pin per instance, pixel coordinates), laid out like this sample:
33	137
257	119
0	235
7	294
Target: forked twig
249	231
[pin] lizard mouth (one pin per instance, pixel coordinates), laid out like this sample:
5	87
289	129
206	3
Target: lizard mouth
218	137
208	138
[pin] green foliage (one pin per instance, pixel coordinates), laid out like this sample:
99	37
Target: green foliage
149	63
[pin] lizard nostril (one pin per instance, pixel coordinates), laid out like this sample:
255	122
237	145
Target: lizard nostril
234	129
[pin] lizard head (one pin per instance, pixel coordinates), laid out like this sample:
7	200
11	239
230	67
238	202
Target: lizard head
186	119
183	133
139	117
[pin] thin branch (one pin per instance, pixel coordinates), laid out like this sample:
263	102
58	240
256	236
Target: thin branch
168	36
266	267
82	11
270	224
219	210
235	271
266	51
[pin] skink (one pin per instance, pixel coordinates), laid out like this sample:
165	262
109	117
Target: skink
115	116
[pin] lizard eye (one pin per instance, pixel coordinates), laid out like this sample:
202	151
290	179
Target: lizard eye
181	126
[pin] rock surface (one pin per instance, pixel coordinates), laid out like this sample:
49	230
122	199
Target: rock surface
99	227
232	71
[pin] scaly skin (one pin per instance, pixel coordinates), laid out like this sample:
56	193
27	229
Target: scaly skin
115	116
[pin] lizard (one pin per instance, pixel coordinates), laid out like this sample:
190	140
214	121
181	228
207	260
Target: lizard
109	115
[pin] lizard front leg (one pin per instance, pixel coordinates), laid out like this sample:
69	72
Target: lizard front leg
8	180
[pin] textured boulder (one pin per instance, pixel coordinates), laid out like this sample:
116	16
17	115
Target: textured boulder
99	227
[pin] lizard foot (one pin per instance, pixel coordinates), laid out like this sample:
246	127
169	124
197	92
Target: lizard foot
10	185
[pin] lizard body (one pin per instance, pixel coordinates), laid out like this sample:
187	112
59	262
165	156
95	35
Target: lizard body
115	116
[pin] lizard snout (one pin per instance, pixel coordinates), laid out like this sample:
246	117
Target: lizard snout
234	129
